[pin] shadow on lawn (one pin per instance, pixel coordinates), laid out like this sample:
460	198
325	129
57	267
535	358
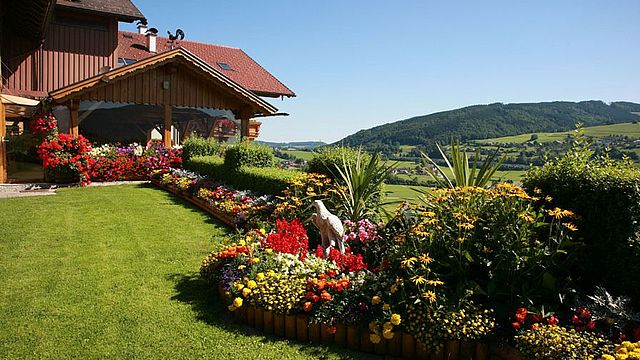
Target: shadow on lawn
208	307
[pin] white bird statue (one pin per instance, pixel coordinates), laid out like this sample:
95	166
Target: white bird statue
330	226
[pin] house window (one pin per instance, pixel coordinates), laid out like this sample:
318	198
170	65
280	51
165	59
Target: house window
225	66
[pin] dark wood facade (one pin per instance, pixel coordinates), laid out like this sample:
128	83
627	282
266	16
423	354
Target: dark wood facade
75	47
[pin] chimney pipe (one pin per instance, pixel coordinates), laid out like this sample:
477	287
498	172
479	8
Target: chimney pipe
151	42
142	28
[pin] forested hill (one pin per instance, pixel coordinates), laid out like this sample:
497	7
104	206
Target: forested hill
494	120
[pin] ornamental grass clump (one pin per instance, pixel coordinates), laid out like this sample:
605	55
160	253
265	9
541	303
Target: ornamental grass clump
552	342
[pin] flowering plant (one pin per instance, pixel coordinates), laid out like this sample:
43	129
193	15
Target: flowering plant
551	342
44	126
347	262
288	237
64	157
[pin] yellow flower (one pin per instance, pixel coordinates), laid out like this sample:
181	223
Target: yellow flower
408	263
526	217
435	282
246	291
240	267
429	295
260	276
237	302
242	242
373	326
386	307
418	280
396	319
570	226
387	326
268	251
466	226
231	307
252	284
388	334
375	338
262	231
426	259
375	300
394	288
256	260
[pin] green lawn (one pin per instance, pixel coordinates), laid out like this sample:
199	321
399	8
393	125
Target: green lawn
111	272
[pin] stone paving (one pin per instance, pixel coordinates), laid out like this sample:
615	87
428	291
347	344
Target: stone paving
41	189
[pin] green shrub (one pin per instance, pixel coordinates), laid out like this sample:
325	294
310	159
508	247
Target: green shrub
328	160
211	166
249	154
261	180
199	146
606	196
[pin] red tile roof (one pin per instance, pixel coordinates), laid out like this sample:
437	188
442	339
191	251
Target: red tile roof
245	71
123	9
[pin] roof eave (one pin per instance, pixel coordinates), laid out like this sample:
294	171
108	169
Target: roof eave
121	17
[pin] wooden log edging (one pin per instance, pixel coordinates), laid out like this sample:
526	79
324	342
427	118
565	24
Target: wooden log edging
215	212
297	327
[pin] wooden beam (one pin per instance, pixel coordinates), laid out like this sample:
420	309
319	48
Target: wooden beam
166	134
73	118
3	147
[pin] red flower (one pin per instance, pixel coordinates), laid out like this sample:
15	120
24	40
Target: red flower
516	325
307	306
326	296
289	237
552	320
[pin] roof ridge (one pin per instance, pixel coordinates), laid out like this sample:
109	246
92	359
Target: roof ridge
180	41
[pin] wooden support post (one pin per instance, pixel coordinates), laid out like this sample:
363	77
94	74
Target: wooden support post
73	118
166	134
3	147
244	128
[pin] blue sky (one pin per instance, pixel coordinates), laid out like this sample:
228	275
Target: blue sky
357	64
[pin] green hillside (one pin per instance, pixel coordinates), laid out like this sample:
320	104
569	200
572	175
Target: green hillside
630	130
491	121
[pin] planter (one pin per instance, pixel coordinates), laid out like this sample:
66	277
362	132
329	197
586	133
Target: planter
394	345
365	342
314	332
340	337
259	318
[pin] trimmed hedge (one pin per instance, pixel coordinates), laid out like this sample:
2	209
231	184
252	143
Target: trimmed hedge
606	196
199	146
261	180
249	154
327	160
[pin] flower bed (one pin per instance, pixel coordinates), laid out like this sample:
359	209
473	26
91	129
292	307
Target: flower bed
232	207
438	280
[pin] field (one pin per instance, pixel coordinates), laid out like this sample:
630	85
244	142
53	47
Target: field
627	129
300	154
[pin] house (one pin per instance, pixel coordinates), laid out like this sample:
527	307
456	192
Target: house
72	53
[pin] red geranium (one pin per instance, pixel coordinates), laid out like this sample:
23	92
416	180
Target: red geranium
347	262
65	155
289	237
